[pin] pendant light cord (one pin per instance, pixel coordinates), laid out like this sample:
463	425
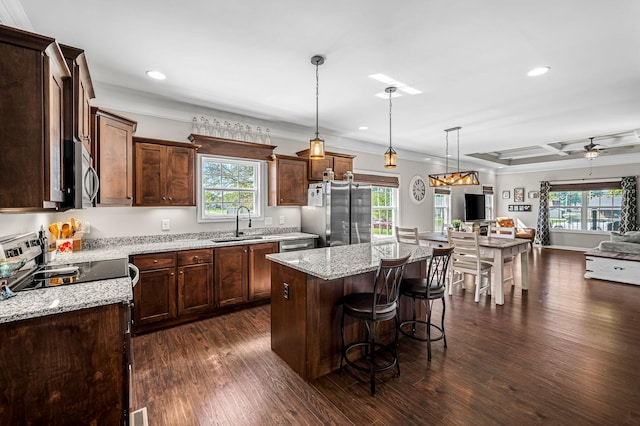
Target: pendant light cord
390	94
446	155
458	133
317	95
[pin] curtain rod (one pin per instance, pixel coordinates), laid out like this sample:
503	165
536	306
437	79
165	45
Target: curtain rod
603	179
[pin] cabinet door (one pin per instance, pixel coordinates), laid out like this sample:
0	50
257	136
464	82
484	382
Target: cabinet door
54	191
291	182
155	296
231	275
115	161
179	183
195	288
260	270
150	172
341	165
317	167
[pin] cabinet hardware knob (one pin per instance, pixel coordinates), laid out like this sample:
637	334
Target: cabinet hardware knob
164	198
155	260
172	274
182	272
195	257
170	199
129	197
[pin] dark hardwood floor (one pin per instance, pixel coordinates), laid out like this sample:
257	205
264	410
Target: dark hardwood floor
566	352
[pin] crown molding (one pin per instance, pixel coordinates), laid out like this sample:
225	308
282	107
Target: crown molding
12	14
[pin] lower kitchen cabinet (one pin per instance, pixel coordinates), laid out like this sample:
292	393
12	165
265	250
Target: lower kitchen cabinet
67	368
195	281
260	270
243	274
154	297
173	287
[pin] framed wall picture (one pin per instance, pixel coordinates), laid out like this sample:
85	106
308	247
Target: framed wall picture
506	195
533	194
518	195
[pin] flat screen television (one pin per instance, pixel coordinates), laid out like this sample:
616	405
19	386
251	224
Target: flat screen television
474	208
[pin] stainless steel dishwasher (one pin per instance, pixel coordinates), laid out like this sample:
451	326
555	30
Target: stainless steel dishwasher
293	245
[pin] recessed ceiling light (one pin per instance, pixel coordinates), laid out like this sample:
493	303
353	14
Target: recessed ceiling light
156	75
538	71
363	128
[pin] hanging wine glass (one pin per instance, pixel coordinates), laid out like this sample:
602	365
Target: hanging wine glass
203	128
267	137
226	133
259	135
248	136
216	128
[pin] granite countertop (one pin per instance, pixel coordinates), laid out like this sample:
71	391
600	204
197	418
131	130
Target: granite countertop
337	262
53	300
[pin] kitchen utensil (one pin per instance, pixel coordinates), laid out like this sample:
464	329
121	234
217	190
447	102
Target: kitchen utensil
66	230
53	228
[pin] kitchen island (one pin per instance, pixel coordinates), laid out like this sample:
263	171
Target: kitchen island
306	287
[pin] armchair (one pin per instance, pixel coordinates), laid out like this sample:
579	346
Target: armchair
526	233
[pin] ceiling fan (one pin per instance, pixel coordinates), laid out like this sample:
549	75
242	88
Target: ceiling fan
592	150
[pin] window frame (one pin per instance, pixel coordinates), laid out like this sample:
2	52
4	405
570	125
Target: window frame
447	210
258	190
394	208
585	190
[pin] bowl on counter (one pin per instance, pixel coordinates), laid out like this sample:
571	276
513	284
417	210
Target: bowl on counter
10	266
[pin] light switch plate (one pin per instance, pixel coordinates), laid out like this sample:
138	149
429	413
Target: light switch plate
281	220
268	220
166	225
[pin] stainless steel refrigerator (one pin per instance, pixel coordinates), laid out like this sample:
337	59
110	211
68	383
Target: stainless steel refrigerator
339	212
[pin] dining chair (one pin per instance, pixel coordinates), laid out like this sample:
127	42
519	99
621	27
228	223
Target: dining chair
466	259
407	235
427	290
373	308
507	233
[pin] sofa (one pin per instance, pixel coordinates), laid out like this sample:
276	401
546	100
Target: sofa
526	233
617	259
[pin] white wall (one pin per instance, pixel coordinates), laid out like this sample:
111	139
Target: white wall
530	181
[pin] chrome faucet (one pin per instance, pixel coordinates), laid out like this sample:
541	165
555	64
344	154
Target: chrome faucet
238	233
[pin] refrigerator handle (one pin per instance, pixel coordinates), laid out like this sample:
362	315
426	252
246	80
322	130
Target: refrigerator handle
355	224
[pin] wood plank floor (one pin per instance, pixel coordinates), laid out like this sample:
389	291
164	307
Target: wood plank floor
566	352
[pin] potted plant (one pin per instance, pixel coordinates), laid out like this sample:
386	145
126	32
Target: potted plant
456	224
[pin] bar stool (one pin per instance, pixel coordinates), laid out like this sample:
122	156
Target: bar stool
428	290
373	308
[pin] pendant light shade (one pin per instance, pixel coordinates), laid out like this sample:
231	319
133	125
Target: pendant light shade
390	155
316	144
456	178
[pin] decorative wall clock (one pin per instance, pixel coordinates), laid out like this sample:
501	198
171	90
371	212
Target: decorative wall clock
417	189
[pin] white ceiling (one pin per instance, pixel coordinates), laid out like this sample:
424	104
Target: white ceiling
469	58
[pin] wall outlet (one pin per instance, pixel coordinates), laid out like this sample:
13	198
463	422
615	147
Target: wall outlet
166	225
268	220
281	220
286	291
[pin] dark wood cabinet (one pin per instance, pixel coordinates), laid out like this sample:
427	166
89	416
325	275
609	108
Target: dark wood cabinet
232	275
164	173
67	368
195	281
112	137
339	163
260	270
287	181
78	94
32	74
154	296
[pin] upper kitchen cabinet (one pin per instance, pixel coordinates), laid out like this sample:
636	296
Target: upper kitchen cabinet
78	95
112	137
32	74
287	181
339	163
164	173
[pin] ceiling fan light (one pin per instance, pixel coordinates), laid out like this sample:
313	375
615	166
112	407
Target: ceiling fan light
591	154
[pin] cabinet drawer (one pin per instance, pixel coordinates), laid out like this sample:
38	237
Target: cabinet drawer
193	257
154	260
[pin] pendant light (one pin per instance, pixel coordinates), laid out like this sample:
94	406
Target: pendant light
316	145
390	155
456	178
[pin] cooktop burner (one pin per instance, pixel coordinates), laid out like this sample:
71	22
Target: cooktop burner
53	276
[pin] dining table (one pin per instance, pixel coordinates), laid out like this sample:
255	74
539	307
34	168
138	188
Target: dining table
496	248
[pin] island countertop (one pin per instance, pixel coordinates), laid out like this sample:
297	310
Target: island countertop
331	263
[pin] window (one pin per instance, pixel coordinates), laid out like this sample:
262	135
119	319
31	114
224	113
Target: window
441	211
488	206
586	207
384	210
225	184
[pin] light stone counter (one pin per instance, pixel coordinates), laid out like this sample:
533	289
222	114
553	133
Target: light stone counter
40	302
337	262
